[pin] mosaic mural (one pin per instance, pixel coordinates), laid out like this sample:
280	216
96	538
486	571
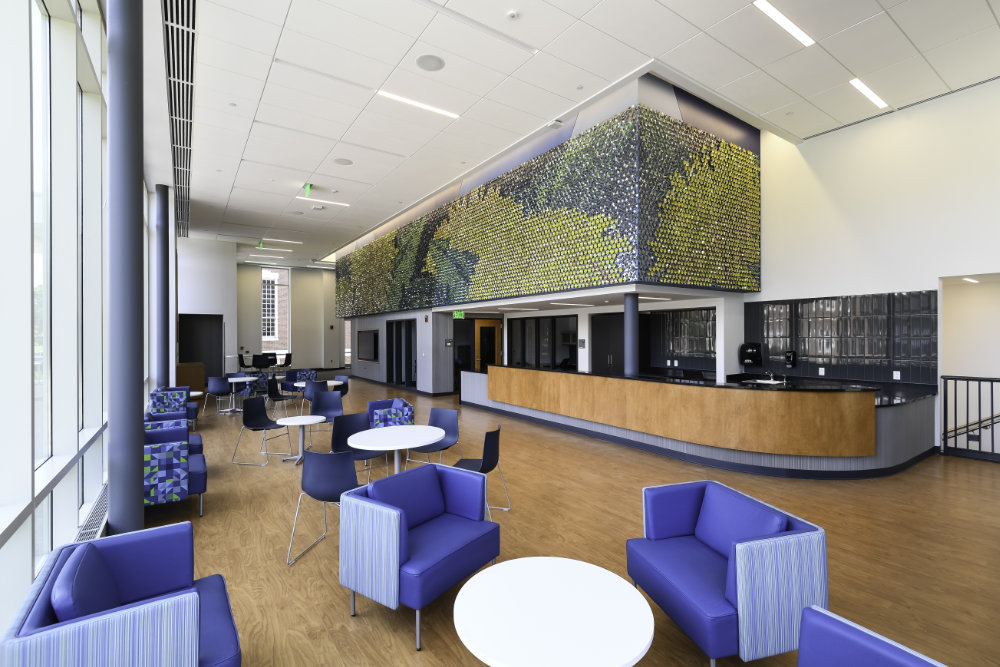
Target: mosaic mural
640	197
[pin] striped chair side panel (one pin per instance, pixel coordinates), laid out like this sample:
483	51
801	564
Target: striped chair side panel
776	579
369	549
160	633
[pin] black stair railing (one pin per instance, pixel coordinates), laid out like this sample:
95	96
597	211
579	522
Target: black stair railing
970	415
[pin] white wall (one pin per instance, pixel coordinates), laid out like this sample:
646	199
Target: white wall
970	320
248	308
890	204
307	318
434	360
206	283
333	326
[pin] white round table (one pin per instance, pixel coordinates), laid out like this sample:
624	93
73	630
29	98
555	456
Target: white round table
234	381
330	383
196	394
395	438
552	611
301	421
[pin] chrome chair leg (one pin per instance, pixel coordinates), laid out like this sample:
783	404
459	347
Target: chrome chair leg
288	559
352	603
497	507
268	452
201	504
245	463
418	629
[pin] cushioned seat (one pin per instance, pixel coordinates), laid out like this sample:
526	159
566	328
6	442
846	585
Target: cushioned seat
219	645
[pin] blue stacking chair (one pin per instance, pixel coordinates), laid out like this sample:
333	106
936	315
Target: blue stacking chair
220	388
255	419
446	419
325	475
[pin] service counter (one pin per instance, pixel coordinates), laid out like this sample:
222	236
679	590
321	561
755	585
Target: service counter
796	428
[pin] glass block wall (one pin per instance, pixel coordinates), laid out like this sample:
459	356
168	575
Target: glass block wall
641	197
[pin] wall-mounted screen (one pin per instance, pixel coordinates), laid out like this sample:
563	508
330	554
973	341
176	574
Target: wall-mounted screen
368	345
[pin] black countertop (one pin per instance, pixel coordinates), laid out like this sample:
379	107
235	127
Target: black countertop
885	393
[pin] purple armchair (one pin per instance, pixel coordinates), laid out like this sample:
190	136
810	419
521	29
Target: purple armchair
131	599
408	538
828	640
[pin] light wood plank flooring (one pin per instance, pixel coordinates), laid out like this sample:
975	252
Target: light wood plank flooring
912	556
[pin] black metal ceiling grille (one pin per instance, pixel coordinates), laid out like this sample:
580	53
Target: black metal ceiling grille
178	40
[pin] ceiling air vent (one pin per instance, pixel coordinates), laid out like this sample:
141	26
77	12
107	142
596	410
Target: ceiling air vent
178	44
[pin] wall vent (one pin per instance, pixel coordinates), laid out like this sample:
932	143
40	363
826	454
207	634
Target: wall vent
97	520
178	44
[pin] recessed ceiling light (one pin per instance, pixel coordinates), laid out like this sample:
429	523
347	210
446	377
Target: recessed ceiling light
579	86
319	208
343	161
414	103
232	104
970	280
266	256
783	21
869	93
581	305
322	201
656	298
430	62
283	240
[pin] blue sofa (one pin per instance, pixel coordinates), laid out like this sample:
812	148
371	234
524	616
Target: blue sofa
408	538
828	640
732	572
122	601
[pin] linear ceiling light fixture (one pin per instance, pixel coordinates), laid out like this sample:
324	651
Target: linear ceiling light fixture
281	241
581	305
322	201
517	309
869	93
254	261
414	103
656	298
970	280
783	21
274	249
266	256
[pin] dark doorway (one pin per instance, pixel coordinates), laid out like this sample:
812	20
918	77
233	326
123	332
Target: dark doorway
487	347
200	339
607	344
401	352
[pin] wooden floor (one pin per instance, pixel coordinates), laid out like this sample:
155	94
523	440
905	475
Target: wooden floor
913	556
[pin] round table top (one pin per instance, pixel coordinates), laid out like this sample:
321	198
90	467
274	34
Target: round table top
301	420
245	378
552	611
196	393
402	436
331	383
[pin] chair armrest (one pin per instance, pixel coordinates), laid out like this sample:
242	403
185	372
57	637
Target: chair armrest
150	562
671	510
163	632
829	640
372	547
464	492
776	578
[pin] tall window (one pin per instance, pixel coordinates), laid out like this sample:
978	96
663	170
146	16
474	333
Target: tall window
41	225
274	310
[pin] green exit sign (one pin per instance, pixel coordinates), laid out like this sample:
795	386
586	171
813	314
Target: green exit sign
458	314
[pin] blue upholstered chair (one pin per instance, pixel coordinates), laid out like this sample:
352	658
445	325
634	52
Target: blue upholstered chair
408	538
828	640
125	600
255	419
173	431
173	465
325	476
191	406
486	464
732	572
220	388
288	384
259	385
389	412
446	419
344	427
167	405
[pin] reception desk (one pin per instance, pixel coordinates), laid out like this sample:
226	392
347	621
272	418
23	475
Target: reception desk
809	430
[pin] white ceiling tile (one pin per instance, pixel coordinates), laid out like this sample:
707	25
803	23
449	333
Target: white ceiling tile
405	16
286	148
503	116
906	82
395	113
350	31
932	23
759	93
475	44
317	86
232	57
425	89
645	25
537	22
575	8
328	187
889	4
368	165
248	230
300	120
531	99
269	178
595	51
560	77
272	11
213	78
285	98
704	14
968	60
249	199
474	130
870	45
220	140
751	34
235	122
332	60
845	104
216	100
802	119
457	72
311	211
822	18
705	60
809	71
385	138
236	27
